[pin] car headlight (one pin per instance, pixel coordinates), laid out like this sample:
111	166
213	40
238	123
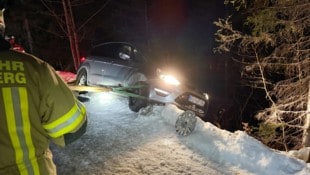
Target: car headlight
170	79
167	78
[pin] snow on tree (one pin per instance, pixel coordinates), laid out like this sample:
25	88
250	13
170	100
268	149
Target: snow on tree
273	47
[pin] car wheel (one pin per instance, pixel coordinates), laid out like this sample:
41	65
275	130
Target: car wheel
186	123
135	104
82	78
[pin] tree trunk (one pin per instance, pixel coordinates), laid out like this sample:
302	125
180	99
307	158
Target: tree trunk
306	137
71	33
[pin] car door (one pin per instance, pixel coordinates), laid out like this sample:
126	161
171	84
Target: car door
101	57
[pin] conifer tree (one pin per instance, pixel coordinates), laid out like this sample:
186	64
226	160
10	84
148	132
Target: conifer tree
272	45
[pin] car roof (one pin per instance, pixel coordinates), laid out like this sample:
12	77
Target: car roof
107	43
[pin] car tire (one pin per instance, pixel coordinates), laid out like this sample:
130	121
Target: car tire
82	78
135	104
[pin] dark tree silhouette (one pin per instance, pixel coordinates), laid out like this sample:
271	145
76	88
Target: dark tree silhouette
273	47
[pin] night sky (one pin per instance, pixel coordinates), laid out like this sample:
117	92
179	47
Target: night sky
177	32
186	31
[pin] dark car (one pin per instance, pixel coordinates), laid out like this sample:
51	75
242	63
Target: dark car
120	64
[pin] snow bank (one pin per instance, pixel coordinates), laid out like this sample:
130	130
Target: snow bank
236	149
119	141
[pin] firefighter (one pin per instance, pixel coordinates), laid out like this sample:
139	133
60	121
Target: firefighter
36	107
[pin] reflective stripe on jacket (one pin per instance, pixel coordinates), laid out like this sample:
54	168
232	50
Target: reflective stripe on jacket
35	106
19	128
66	123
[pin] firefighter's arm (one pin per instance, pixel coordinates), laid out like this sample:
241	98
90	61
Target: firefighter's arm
64	117
71	137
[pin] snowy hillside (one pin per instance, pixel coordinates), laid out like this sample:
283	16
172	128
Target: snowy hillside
119	141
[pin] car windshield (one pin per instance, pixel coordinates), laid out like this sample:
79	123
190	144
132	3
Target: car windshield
138	56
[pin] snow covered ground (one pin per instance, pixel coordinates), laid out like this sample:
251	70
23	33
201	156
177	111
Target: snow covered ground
119	141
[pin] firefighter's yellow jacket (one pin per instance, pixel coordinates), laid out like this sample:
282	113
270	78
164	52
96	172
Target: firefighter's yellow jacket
36	106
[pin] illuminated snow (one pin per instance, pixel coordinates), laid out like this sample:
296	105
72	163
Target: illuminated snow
119	141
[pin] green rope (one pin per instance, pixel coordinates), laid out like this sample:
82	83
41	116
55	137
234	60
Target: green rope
125	91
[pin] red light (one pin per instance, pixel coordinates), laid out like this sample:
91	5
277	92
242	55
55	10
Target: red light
82	59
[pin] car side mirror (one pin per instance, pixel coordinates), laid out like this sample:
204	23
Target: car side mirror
124	56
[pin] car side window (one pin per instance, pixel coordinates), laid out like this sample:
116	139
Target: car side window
117	51
104	51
